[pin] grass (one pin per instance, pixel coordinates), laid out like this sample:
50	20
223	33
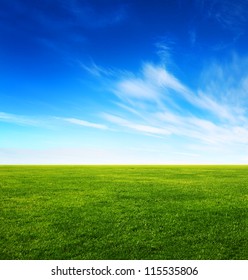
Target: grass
124	212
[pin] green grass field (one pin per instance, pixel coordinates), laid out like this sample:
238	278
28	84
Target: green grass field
124	212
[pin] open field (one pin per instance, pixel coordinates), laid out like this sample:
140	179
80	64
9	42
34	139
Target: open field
124	212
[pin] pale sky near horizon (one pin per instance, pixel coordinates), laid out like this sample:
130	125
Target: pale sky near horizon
124	81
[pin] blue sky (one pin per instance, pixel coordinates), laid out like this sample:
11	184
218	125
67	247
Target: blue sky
121	81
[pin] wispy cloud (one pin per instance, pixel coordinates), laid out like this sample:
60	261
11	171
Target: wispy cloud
156	102
46	122
84	123
152	84
161	77
58	25
96	70
18	119
85	14
93	69
102	72
147	129
164	49
192	36
233	14
229	18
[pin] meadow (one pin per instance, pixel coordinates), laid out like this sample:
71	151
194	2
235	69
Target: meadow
124	212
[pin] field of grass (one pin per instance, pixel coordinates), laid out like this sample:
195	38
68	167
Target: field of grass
124	212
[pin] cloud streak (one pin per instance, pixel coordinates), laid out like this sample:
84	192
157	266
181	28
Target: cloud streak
84	123
147	129
47	122
18	119
155	102
231	15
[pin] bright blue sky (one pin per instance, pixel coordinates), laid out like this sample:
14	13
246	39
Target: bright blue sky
121	81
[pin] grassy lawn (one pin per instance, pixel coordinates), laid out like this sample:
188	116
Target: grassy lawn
124	212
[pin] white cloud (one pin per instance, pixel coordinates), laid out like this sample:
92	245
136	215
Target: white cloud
223	111
136	88
162	78
85	123
205	125
96	70
153	86
232	15
20	120
156	102
147	129
46	122
164	50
